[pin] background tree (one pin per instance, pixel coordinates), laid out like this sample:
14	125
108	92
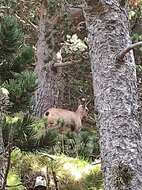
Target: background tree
60	45
50	80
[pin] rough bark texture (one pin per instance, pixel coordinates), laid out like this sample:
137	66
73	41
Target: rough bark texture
2	163
50	80
115	93
4	103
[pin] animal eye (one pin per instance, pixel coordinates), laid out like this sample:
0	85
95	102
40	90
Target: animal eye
47	113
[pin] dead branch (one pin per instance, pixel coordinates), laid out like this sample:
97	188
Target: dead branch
26	20
63	64
122	54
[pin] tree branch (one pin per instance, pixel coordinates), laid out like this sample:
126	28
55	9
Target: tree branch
63	64
28	21
122	54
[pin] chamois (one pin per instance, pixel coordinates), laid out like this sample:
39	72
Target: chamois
65	118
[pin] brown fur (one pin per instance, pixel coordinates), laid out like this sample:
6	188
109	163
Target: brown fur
71	119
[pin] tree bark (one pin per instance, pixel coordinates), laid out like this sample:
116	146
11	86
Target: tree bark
50	80
4	102
2	161
115	93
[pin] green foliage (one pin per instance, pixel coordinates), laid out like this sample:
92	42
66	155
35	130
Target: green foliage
7	6
20	90
139	68
14	181
18	131
50	140
94	180
10	42
83	145
14	57
54	5
46	138
10	36
71	173
25	58
28	133
137	37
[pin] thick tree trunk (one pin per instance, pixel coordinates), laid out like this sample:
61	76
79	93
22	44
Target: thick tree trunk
50	80
115	93
2	161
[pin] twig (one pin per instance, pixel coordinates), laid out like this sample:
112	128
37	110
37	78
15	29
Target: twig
28	21
122	54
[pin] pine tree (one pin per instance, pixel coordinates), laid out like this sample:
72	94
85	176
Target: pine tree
17	82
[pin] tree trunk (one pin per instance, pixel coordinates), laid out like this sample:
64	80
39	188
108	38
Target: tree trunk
2	161
50	80
4	102
115	93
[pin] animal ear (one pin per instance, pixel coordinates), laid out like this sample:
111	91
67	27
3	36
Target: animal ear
83	102
79	102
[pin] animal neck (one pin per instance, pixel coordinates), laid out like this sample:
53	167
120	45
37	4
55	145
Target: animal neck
79	111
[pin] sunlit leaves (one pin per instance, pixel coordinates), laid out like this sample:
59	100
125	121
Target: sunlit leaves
14	181
74	44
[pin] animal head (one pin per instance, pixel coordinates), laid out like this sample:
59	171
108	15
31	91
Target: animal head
83	109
